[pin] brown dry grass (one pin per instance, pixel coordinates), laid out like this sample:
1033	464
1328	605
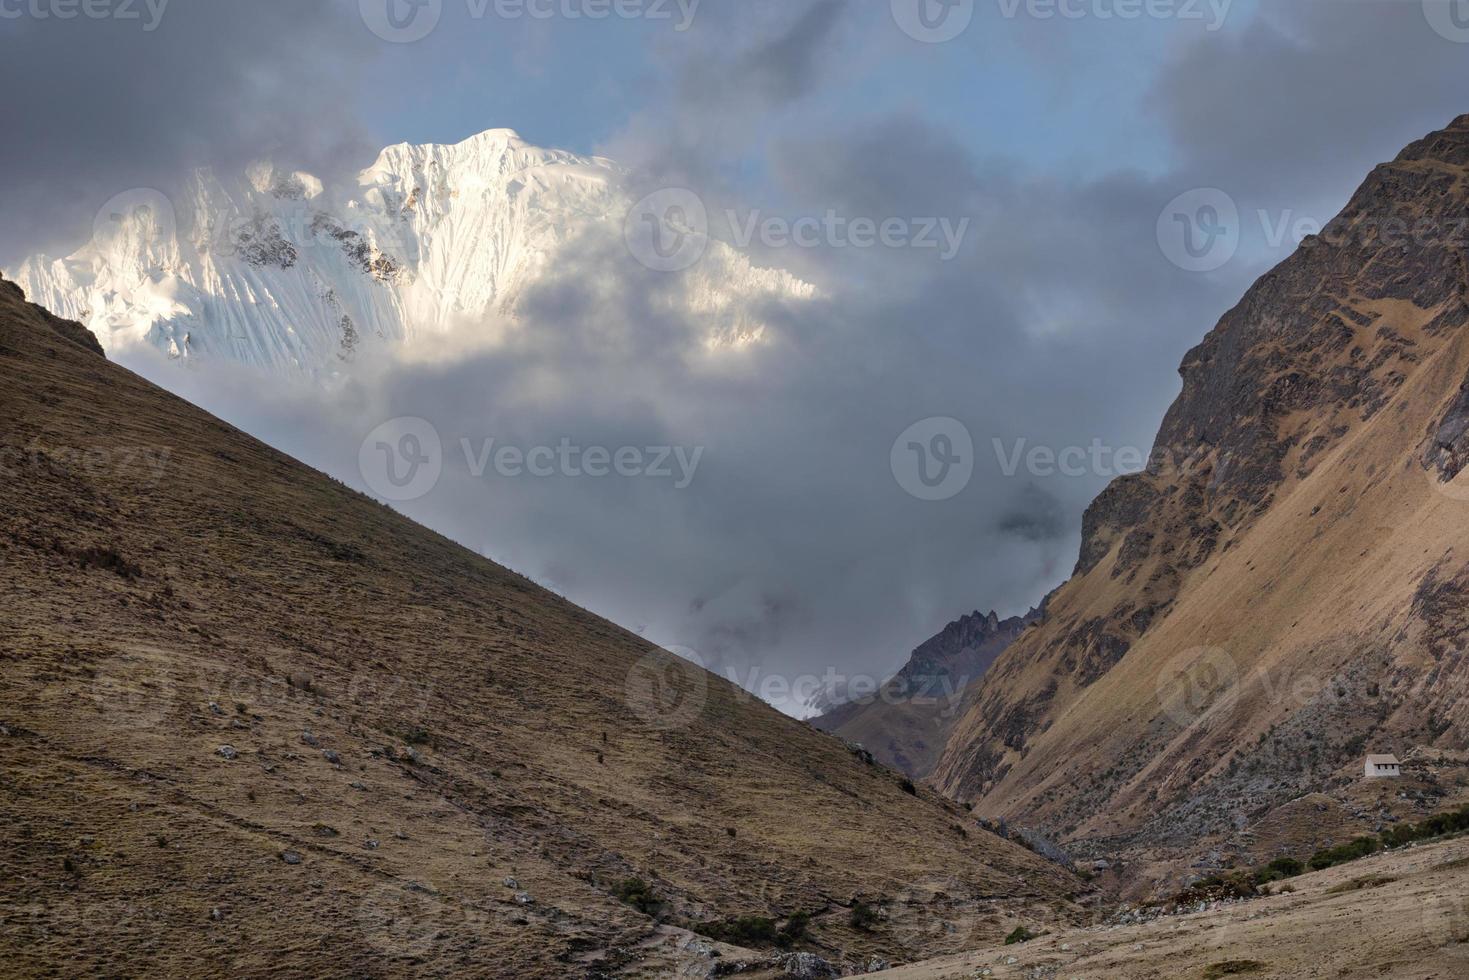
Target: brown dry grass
1411	927
483	730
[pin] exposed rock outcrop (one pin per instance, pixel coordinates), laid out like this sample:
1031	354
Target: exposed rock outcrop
905	723
1259	601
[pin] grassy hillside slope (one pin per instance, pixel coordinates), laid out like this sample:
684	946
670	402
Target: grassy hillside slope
253	722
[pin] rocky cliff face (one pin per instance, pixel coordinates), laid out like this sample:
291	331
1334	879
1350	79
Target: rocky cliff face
906	722
1285	583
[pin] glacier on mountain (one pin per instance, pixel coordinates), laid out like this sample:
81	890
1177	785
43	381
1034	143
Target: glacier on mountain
276	270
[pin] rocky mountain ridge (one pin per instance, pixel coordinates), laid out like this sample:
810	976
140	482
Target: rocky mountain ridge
1284	588
905	723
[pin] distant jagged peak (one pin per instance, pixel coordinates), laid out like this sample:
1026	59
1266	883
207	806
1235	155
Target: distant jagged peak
493	151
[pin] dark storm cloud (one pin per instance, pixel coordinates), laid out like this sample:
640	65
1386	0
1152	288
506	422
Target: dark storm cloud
1057	325
1060	325
1309	95
1035	515
734	77
786	68
94	107
796	549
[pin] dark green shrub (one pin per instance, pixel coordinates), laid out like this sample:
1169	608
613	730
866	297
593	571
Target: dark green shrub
109	560
1280	868
758	931
1438	825
748	930
1328	857
794	930
637	893
1019	934
863	916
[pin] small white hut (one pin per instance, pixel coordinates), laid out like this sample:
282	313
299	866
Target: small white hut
1382	766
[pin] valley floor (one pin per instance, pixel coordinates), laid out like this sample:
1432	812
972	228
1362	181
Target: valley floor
1401	914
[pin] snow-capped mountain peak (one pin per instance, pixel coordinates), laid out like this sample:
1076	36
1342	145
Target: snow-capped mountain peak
277	269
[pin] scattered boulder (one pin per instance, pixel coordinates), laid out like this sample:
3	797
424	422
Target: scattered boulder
804	966
226	752
291	857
